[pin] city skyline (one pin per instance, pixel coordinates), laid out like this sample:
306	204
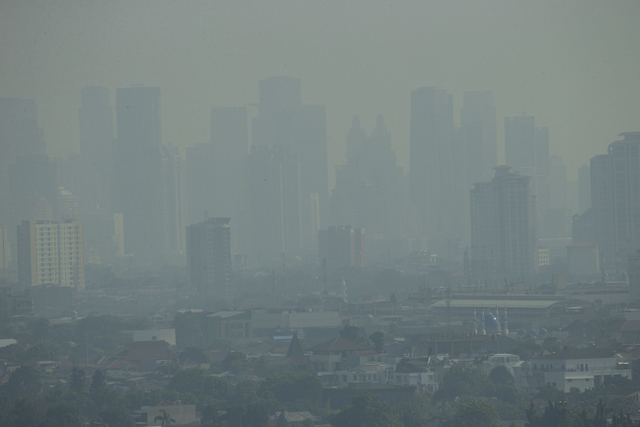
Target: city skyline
554	85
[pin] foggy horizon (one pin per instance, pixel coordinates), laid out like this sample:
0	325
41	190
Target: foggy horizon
571	65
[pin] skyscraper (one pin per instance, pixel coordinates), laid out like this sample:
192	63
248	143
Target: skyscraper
615	198
273	204
519	144
174	193
209	257
342	246
584	188
478	116
503	225
283	119
94	182
430	170
50	253
138	167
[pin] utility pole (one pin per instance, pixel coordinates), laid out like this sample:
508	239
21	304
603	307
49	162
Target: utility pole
448	300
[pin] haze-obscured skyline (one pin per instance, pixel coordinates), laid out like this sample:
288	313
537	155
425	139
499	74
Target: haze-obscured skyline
574	66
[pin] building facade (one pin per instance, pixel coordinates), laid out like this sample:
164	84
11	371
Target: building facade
615	200
209	257
503	224
51	253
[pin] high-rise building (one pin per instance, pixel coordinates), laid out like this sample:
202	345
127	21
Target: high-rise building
342	246
478	116
174	193
92	177
5	249
366	194
138	168
209	257
50	253
284	120
503	225
584	188
19	132
615	199
273	204
26	175
519	143
633	273
430	170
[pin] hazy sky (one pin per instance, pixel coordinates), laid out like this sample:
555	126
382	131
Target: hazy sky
575	65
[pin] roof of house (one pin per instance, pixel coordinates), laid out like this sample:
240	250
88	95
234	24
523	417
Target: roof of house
630	326
146	350
338	344
584	353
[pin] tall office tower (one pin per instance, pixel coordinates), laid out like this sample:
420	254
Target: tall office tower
366	193
478	116
230	144
503	225
50	253
519	143
200	181
273	204
342	246
5	249
584	188
283	119
615	199
36	192
19	137
209	257
19	133
94	182
541	138
634	276
430	170
174	193
138	168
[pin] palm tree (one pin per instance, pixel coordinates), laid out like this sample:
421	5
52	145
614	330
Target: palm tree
164	418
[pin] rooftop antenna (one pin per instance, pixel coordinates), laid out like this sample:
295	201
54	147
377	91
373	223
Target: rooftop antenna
284	283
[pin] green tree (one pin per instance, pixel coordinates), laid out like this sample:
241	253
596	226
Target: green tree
209	416
77	380
44	350
117	416
474	414
500	375
195	354
292	387
367	410
188	381
463	380
377	338
25	413
62	415
234	361
352	334
164	418
24	381
555	415
552	344
98	380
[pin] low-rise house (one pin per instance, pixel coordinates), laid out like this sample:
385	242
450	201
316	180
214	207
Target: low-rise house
577	368
331	355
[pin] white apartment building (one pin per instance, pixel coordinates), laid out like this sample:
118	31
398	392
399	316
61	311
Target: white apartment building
51	253
582	369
